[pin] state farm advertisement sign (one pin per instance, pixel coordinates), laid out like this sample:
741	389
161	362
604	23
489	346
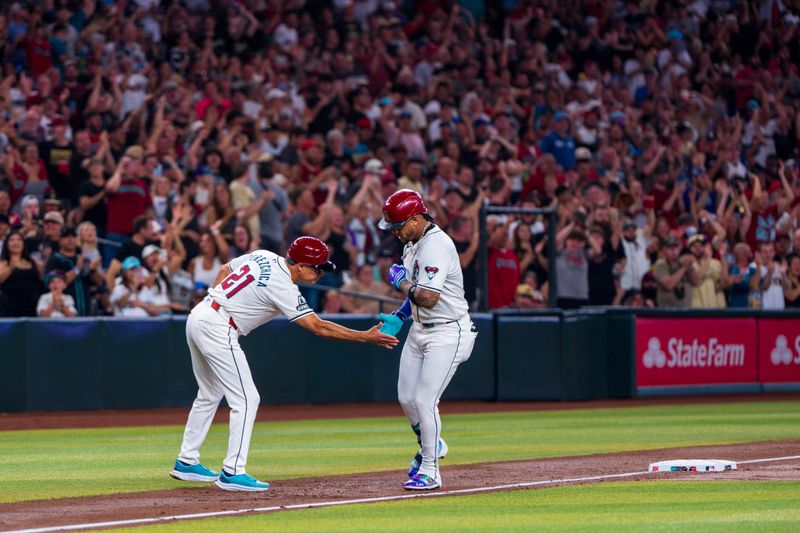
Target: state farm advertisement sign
695	351
779	341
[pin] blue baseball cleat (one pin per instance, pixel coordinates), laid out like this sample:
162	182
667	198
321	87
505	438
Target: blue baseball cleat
242	482
198	472
421	482
416	461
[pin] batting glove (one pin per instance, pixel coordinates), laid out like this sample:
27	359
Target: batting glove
392	324
396	275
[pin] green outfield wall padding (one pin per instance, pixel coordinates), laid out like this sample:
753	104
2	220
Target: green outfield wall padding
135	363
584	357
118	363
65	364
528	357
14	377
620	340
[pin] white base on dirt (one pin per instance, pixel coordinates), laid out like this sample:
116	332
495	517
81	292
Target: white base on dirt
693	465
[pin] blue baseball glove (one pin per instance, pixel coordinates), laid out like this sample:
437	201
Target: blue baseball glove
396	275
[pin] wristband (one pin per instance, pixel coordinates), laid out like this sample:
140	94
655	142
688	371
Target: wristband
404	311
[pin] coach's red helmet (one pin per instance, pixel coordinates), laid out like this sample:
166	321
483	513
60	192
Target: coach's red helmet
310	251
399	207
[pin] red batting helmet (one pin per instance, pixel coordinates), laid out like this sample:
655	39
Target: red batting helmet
310	251
399	207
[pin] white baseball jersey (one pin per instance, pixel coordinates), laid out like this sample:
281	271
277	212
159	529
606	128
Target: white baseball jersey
432	263
258	289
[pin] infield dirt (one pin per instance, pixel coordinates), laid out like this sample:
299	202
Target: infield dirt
186	499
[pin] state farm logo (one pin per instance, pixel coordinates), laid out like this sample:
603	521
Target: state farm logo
781	354
693	354
654	356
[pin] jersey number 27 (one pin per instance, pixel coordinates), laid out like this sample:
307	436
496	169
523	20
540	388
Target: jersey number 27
237	281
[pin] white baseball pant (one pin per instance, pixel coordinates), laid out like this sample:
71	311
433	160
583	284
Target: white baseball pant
429	360
221	369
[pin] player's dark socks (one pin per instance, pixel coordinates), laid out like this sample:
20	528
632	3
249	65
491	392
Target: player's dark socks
227	472
418	432
184	463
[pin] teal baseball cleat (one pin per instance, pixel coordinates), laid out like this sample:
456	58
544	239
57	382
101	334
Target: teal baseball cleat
198	472
243	482
416	461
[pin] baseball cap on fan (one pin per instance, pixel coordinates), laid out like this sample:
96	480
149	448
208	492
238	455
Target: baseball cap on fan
374	166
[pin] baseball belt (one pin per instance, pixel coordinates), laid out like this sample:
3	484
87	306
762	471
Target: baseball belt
216	307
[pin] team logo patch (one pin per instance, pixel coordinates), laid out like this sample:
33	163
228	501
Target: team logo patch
415	272
431	271
302	305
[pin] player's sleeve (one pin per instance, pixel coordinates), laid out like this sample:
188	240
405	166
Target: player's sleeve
434	264
235	264
290	302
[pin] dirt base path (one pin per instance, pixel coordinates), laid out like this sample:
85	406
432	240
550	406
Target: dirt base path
194	499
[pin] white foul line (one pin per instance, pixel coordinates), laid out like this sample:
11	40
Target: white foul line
140	521
787	458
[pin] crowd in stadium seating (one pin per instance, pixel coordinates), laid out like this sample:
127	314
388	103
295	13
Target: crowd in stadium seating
143	144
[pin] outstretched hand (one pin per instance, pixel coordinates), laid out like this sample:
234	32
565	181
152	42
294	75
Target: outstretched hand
391	324
375	336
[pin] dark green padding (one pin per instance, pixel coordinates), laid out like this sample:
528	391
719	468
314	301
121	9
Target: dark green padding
528	357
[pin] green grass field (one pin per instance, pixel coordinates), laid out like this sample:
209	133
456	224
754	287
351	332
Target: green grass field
654	506
45	464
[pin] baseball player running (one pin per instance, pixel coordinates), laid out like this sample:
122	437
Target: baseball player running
442	335
247	292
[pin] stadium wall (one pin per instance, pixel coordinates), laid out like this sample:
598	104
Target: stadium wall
87	364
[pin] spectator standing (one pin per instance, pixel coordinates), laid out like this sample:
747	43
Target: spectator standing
712	275
204	267
28	174
791	291
128	198
68	259
93	273
572	266
157	288
559	142
20	281
672	272
365	283
742	276
504	267
242	242
771	277
92	196
637	263
301	223
56	304
604	267
142	236
42	242
274	203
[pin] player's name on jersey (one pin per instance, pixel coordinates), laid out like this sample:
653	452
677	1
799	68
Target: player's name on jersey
264	266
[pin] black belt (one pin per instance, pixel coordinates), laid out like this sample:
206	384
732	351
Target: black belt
434	324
